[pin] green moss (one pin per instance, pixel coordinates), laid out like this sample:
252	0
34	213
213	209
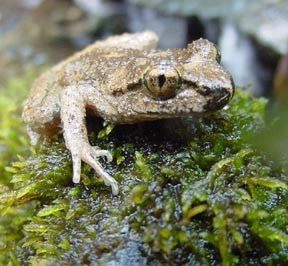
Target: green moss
12	140
191	191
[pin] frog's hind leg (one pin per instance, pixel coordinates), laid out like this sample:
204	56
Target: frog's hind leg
74	100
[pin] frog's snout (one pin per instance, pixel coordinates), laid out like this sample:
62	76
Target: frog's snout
218	96
231	88
220	89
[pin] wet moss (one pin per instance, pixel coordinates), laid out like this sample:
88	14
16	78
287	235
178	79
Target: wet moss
191	191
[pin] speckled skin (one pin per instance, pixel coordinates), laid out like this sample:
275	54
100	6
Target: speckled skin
124	80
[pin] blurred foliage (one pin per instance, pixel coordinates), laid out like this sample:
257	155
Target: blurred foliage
191	191
12	138
273	138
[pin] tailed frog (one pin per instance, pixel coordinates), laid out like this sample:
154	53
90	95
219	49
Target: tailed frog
124	79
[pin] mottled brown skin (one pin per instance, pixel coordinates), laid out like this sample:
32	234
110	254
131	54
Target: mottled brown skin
124	80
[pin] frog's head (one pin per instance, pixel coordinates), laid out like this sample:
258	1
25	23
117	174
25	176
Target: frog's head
176	87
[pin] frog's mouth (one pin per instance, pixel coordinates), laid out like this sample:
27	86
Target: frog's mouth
138	106
187	101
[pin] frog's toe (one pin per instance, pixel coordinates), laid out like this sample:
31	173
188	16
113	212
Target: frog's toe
115	188
76	168
113	184
107	154
88	156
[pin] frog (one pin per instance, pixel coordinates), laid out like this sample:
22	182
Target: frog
124	79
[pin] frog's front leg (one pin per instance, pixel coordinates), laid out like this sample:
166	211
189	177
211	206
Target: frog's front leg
74	100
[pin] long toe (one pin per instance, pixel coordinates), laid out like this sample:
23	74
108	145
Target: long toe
99	153
115	188
89	158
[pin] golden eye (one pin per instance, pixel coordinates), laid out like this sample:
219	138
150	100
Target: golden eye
162	81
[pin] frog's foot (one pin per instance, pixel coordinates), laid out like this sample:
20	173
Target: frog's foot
89	155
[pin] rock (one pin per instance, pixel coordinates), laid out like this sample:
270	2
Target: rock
264	20
100	7
237	53
48	33
207	9
172	30
267	23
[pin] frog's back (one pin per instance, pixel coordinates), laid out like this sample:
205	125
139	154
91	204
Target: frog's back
42	108
96	68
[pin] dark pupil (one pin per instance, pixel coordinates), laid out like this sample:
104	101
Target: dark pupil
161	80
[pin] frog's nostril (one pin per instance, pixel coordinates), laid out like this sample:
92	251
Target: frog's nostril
204	90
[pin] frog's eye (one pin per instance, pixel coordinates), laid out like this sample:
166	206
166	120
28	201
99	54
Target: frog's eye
162	81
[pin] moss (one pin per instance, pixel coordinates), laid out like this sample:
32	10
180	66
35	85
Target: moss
191	191
12	140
